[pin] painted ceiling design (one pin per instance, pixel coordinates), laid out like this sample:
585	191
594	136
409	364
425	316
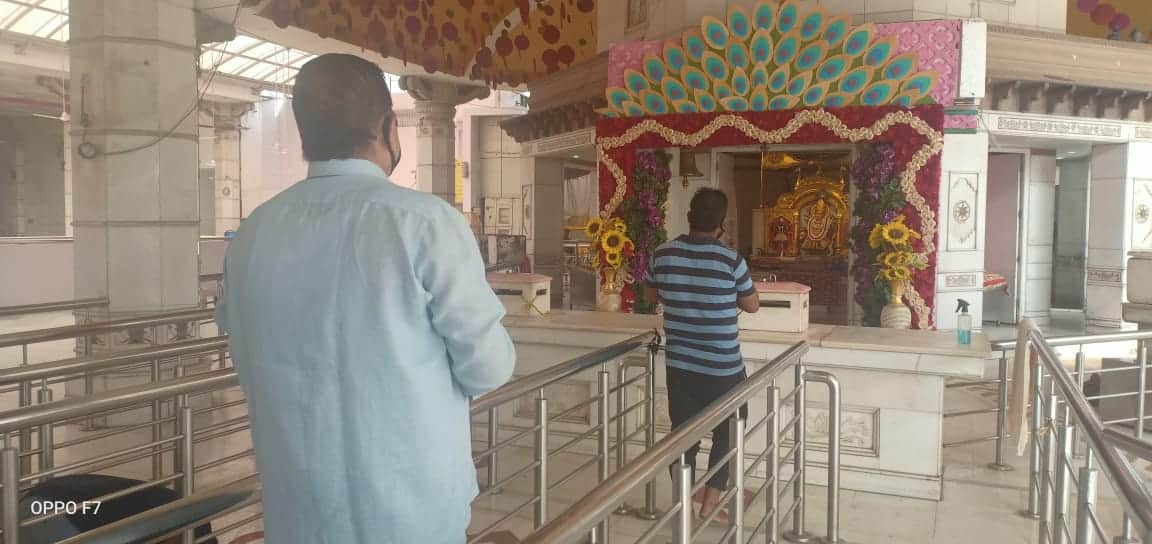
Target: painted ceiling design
496	41
774	57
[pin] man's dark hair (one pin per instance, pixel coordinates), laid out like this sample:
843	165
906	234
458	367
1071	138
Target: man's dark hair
708	209
340	102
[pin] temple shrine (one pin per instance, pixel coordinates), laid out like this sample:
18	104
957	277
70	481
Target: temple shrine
800	227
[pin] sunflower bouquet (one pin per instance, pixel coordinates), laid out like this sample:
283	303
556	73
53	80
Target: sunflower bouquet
611	247
896	259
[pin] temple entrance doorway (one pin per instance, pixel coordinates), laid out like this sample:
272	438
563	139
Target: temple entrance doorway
789	216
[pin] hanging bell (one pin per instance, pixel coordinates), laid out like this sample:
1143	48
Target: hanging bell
688	166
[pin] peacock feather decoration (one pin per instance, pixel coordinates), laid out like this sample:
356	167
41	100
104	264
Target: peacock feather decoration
777	57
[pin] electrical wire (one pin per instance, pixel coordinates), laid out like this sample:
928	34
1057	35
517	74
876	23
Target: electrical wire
95	152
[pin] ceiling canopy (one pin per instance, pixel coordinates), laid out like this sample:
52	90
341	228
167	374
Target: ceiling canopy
497	41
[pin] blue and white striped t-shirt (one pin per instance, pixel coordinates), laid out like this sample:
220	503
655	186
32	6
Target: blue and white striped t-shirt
699	281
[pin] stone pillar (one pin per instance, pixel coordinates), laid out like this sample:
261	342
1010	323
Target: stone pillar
67	178
1040	201
1117	223
227	119
134	158
435	104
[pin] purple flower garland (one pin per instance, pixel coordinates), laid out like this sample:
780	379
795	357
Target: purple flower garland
879	199
643	213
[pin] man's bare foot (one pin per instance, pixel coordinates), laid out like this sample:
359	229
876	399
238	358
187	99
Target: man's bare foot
712	502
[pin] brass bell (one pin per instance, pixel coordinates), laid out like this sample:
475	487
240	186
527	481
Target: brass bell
688	166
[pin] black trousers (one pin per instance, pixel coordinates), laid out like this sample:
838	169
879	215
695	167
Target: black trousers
689	393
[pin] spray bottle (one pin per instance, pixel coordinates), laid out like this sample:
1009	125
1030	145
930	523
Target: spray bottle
963	323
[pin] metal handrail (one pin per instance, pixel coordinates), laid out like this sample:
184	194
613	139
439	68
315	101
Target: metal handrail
77	331
66	367
59	306
1130	444
578	520
519	387
1002	379
161	521
1078	339
1131	491
48	413
72	408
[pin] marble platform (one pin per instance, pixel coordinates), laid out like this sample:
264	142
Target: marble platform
892	383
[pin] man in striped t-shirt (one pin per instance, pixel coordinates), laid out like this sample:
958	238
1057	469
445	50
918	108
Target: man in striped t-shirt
702	285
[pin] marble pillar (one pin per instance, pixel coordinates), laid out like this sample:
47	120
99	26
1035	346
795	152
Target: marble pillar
962	221
67	178
1038	232
227	128
435	105
1120	196
134	156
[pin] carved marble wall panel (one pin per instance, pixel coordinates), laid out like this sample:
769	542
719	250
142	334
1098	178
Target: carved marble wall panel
963	210
1141	214
859	429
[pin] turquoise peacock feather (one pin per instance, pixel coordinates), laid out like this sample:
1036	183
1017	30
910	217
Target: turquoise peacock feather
777	57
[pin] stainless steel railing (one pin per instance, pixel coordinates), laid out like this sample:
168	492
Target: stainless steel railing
98	302
158	362
190	454
1061	416
175	517
606	446
592	514
44	307
166	408
1003	381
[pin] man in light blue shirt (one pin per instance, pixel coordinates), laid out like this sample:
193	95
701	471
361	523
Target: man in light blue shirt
360	323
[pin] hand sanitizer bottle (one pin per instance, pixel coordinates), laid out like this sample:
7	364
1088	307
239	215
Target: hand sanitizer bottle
963	323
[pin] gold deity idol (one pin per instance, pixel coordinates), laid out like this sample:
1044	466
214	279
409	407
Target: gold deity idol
812	220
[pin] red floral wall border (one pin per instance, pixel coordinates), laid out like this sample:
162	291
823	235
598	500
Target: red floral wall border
916	135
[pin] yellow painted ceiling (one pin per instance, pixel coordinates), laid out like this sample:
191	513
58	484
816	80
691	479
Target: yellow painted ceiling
497	41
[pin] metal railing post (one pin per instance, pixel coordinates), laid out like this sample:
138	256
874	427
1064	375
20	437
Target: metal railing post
47	440
10	498
799	458
493	438
187	458
1141	386
1001	415
832	534
621	428
603	461
25	400
684	501
772	530
736	429
1063	457
540	516
1085	505
650	512
1034	444
1080	378
157	415
1048	459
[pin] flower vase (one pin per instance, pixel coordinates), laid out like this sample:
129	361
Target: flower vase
896	315
608	297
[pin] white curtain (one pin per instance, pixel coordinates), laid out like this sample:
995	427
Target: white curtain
580	198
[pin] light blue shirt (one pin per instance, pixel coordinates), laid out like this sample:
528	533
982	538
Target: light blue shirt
361	323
